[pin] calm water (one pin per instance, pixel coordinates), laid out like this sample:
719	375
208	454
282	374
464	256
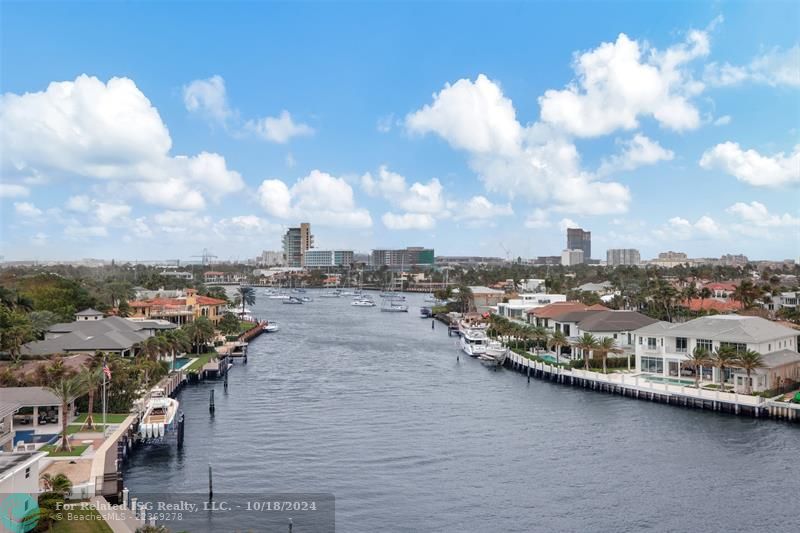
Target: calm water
374	408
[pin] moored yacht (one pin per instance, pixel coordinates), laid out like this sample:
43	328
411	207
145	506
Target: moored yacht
474	342
160	416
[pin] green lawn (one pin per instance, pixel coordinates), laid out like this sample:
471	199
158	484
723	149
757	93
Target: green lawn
78	428
198	363
83	521
245	325
111	418
74	452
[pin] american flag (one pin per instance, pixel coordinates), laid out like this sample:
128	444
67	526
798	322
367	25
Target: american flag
107	371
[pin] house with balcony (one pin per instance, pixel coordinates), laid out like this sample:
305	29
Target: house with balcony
517	308
180	310
662	349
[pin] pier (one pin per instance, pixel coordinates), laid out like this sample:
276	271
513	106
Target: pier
633	386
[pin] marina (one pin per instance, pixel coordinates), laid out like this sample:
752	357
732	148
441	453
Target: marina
379	410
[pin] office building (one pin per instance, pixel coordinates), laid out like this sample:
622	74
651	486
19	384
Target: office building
327	258
577	239
269	258
623	257
572	257
296	242
409	257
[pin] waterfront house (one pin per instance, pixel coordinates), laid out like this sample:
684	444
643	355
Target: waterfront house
544	316
721	290
518	308
662	349
618	325
214	277
711	304
19	475
601	289
109	334
485	298
180	310
39	406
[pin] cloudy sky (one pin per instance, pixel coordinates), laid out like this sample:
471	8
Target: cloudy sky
154	131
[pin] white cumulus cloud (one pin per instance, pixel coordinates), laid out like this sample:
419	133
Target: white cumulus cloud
105	131
208	97
279	129
12	190
417	221
318	197
757	214
752	167
621	81
776	67
681	229
27	210
636	152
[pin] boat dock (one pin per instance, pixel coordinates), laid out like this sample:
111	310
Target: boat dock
634	386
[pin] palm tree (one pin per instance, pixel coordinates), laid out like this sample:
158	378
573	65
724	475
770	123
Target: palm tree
557	341
465	298
92	378
66	390
723	357
586	344
698	358
604	347
749	360
200	331
539	335
60	484
705	293
247	295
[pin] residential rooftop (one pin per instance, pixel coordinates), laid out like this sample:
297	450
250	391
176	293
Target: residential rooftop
727	328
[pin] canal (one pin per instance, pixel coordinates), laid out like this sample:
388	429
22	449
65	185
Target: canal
375	409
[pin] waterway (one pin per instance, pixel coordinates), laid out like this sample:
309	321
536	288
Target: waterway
375	409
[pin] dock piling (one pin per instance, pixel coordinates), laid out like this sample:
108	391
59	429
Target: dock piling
210	483
211	402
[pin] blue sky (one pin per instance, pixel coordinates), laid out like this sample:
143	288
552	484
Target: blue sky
143	131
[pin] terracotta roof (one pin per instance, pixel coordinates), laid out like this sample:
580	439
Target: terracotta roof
152	302
559	308
711	304
207	300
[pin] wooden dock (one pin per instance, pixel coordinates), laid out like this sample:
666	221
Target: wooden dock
635	386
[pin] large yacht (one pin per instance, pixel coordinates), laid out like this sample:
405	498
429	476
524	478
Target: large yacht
160	415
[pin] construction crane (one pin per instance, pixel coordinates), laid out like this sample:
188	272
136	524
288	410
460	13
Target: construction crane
206	257
507	251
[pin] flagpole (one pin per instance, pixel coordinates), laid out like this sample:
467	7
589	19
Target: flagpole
104	397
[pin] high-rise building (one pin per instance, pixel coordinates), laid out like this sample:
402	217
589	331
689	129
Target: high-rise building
327	258
572	257
409	257
295	243
623	256
577	239
268	258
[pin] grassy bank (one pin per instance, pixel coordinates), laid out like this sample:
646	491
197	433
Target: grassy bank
83	521
74	452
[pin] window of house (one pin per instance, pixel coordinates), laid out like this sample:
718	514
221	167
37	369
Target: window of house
653	364
640	341
651	343
681	344
706	344
735	346
27	472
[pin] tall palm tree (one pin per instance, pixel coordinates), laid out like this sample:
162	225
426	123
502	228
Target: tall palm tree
60	484
66	390
586	343
748	361
606	346
698	358
557	341
465	298
200	332
705	293
247	295
723	357
92	378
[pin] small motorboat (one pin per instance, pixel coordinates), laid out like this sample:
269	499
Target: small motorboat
293	300
307	299
271	327
425	312
363	302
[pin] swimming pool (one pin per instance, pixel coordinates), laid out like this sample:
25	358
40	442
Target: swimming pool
671	381
30	437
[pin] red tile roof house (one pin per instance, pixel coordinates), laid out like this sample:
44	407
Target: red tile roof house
712	304
721	289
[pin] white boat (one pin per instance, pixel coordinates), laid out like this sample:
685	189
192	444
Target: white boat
495	350
160	415
307	299
330	294
271	327
430	298
392	306
293	300
346	293
363	302
466	325
474	342
279	296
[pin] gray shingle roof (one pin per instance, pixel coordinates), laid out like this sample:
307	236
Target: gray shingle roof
615	321
727	328
29	396
780	358
575	316
112	334
89	312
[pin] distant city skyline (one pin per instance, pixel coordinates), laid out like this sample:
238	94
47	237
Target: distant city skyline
656	126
